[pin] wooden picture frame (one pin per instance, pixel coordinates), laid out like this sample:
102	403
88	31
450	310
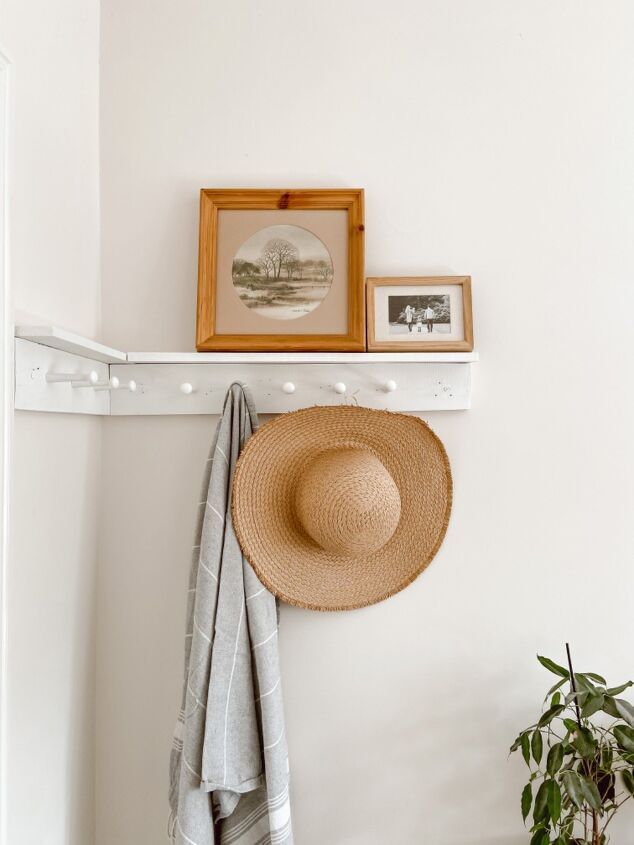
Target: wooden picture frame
349	334
416	333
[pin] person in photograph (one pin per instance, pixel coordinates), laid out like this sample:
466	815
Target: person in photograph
409	317
419	321
428	314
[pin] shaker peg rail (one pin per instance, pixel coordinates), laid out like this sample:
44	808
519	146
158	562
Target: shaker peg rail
111	384
196	383
79	379
279	387
115	384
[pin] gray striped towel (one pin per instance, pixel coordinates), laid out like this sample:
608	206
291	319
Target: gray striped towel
229	762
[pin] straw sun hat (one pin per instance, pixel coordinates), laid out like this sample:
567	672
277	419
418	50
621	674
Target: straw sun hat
341	507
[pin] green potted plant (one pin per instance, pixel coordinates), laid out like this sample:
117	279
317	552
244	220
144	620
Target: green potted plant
580	754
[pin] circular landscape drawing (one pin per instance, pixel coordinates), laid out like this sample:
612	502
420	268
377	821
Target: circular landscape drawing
282	272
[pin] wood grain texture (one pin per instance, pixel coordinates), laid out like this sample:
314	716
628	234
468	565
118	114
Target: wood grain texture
465	345
212	200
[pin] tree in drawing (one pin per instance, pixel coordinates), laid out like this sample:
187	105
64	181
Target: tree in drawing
278	253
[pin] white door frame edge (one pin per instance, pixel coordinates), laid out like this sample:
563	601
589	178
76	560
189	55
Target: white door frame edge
6	409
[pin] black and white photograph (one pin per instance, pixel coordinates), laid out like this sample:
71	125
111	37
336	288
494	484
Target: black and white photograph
419	315
424	313
282	272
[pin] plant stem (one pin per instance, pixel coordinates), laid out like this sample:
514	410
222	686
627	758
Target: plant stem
586	766
611	816
573	684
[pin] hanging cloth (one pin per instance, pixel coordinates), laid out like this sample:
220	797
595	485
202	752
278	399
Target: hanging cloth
229	760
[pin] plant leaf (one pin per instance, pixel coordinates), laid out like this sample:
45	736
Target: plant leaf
625	737
555	759
575	694
540	810
571	725
555	699
527	800
584	742
541	837
554	800
550	714
584	684
628	780
625	710
526	748
591	793
592	705
557	686
553	667
618	690
607	756
609	707
516	744
537	746
596	678
572	785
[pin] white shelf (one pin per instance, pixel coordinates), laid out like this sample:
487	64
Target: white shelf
196	382
56	338
300	357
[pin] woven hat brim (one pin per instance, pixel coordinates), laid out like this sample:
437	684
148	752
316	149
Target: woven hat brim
287	561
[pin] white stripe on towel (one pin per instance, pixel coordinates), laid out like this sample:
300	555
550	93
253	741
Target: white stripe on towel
218	514
277	741
233	669
273	688
207	570
218	449
185	837
201	632
270	637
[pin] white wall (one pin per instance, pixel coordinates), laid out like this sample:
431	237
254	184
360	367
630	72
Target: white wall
492	138
54	218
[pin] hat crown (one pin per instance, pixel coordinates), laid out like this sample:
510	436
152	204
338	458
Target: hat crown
347	502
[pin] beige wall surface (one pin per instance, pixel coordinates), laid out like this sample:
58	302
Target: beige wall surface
54	221
493	139
51	634
54	240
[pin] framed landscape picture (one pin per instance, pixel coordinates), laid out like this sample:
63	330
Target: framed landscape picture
281	270
420	314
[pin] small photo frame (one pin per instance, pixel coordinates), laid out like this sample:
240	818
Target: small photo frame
420	314
281	270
